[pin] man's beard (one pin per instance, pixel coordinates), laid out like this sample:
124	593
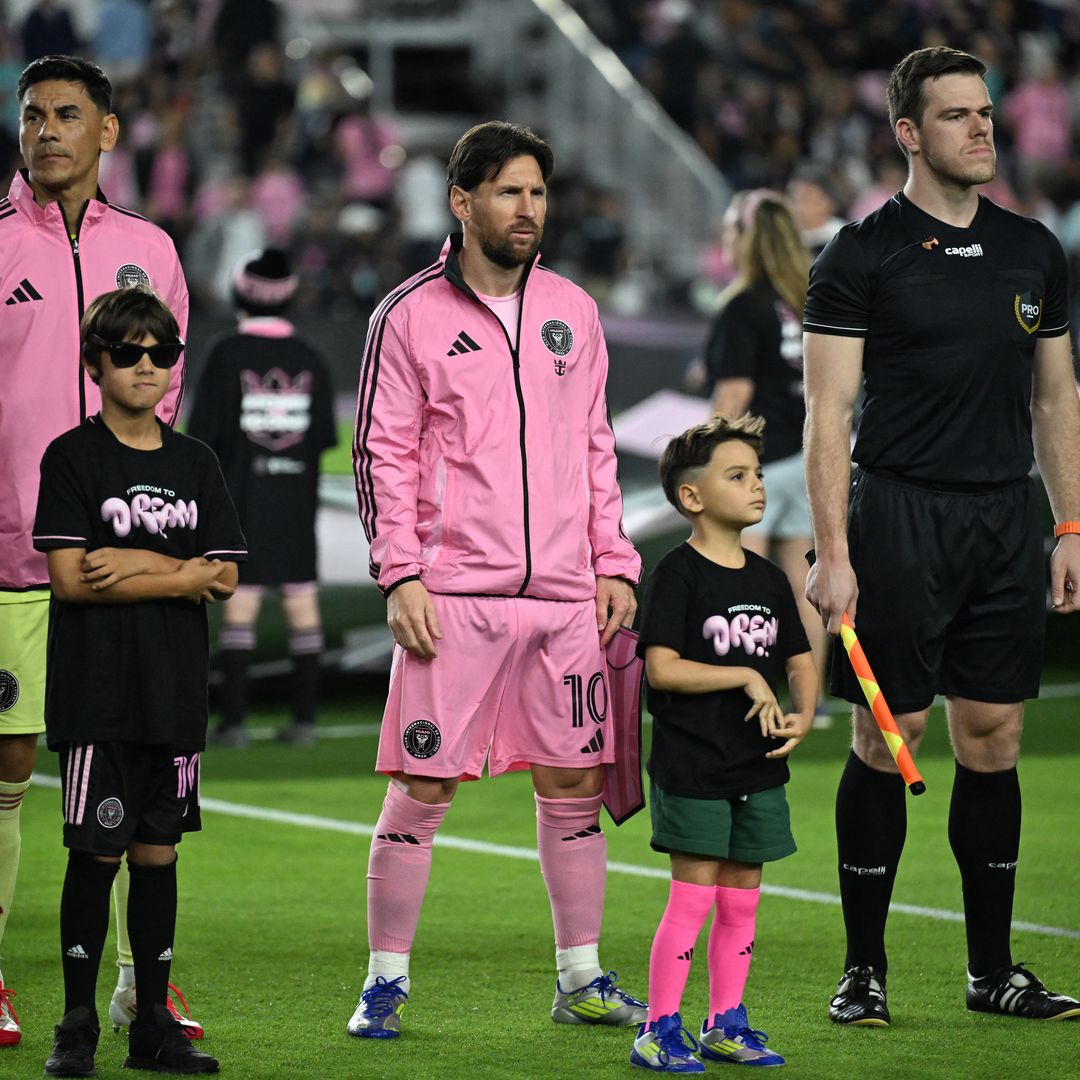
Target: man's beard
502	253
981	172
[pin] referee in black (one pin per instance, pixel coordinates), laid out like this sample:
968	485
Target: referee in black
954	312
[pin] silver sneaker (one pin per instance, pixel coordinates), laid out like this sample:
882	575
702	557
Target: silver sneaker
599	1002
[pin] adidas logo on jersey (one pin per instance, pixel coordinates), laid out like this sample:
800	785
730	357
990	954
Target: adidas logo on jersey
463	344
25	293
167	954
77	952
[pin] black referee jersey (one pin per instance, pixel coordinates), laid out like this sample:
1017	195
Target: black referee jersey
950	319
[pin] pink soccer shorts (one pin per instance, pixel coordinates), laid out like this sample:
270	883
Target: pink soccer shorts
516	682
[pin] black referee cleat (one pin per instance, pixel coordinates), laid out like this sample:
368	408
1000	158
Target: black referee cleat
1014	991
860	999
76	1040
162	1046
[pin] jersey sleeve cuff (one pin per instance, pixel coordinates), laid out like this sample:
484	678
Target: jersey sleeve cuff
835	331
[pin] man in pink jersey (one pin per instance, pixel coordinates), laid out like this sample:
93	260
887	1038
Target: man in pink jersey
62	243
486	481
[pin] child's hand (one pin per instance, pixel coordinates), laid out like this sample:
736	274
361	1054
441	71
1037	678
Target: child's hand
765	707
108	565
198	580
792	727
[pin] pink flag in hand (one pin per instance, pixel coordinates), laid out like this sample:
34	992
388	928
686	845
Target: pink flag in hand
623	793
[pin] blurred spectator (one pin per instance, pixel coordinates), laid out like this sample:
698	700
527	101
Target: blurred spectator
227	229
265	100
122	41
279	198
816	205
368	148
240	25
422	206
47	30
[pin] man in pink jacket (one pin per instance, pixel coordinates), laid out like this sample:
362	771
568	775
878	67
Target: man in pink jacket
61	245
486	481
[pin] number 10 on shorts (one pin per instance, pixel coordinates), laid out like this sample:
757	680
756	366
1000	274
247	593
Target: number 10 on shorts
594	698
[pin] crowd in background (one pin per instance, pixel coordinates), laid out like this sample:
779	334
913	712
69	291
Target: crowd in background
233	136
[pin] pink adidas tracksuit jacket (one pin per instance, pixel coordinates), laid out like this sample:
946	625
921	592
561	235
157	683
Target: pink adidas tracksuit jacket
481	469
46	283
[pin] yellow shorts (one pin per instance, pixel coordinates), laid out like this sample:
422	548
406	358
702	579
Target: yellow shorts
24	631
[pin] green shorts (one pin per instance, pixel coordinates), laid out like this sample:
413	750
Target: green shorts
24	632
751	828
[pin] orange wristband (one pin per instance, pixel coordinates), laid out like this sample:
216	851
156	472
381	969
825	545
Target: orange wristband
1062	528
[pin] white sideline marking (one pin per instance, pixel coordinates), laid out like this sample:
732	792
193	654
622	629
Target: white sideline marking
506	851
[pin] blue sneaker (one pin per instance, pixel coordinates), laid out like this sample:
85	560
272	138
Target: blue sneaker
378	1012
665	1046
600	1002
731	1039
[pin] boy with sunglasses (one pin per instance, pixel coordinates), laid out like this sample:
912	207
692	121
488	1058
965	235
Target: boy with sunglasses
139	531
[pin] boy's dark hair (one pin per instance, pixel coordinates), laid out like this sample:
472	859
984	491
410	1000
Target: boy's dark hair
73	69
125	315
905	93
484	149
694	447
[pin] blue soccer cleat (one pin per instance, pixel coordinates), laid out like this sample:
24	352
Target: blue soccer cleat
732	1040
665	1046
378	1012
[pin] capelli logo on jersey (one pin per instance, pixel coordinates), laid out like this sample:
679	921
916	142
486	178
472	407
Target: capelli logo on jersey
972	251
1028	311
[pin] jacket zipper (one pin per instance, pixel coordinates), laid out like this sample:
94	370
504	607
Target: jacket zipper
73	240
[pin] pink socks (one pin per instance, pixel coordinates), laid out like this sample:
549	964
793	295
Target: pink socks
673	945
398	869
731	942
573	861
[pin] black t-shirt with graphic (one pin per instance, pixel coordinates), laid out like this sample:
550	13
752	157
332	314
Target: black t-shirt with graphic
950	319
265	406
135	672
757	336
702	748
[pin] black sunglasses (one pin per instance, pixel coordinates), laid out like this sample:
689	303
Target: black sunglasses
125	354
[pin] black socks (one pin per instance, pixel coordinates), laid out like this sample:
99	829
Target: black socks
984	831
871	824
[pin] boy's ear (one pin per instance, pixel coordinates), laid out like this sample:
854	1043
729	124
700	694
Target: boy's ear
689	499
93	368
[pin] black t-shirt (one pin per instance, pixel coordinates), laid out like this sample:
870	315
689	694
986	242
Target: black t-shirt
135	672
757	336
702	748
950	318
265	406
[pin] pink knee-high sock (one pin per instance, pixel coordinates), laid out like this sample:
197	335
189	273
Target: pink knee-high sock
398	868
687	909
731	943
573	861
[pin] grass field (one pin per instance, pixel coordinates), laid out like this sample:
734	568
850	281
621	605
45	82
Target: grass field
272	939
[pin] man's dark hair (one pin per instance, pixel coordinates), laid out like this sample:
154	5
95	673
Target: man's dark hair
905	92
73	69
483	150
126	315
694	447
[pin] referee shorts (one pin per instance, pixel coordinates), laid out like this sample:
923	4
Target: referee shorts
952	592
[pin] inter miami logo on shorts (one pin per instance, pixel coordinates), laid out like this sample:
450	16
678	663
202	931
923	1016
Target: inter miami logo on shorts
129	275
559	339
1028	311
422	739
9	690
110	812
